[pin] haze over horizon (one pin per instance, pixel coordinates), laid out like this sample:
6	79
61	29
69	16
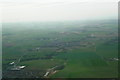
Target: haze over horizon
58	10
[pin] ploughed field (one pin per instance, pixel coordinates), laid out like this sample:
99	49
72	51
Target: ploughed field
60	49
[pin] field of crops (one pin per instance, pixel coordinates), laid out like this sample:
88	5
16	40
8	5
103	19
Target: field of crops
63	49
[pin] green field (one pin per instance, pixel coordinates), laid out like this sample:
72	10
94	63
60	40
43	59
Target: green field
73	49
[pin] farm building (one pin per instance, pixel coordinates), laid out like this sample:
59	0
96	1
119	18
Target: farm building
17	68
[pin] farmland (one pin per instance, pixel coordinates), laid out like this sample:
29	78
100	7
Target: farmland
70	49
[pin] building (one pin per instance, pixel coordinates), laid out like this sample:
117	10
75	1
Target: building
17	68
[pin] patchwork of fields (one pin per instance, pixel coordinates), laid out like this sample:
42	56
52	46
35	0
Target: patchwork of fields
61	49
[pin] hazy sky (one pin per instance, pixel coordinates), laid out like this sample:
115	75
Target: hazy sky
58	10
